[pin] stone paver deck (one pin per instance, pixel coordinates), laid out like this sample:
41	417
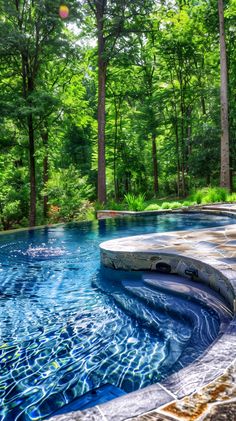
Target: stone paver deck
204	390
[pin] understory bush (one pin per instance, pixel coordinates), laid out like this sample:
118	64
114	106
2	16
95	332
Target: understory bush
135	203
113	205
201	196
187	203
69	196
175	205
171	205
165	205
232	197
152	206
210	195
13	197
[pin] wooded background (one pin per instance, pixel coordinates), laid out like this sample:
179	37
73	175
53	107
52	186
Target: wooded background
124	92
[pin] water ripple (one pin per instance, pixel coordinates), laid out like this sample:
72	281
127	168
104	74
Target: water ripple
61	336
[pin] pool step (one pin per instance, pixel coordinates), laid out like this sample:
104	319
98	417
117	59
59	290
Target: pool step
176	307
173	335
188	289
94	397
205	322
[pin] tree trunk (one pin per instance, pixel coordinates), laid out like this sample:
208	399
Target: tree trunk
155	164
27	89
183	180
188	136
115	149
225	165
102	68
183	145
44	136
175	124
32	212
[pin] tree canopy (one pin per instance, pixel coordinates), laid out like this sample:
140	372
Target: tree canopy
109	98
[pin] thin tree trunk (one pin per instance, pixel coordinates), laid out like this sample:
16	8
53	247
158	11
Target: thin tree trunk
102	69
208	179
203	104
32	212
188	135
44	136
225	164
177	146
115	149
183	180
27	88
177	157
155	164
175	126
183	146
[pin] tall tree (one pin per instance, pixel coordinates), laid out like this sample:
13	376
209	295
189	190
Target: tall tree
225	154
113	21
99	8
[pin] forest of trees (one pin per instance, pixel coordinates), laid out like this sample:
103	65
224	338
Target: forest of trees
113	97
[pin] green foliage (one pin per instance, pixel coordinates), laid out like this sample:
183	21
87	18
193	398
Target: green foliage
198	195
210	195
171	205
13	196
152	206
135	203
69	195
165	205
113	205
187	203
175	205
231	197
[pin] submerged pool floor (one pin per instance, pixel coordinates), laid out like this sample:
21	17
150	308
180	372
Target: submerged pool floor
61	335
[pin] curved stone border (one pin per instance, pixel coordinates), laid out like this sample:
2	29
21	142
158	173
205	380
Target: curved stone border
226	209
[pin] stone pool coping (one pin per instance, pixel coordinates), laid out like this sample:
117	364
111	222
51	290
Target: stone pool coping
224	209
207	386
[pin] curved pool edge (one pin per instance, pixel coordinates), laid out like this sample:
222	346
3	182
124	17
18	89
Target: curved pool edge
208	382
222	209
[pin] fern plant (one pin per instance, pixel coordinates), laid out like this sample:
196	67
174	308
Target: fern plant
135	203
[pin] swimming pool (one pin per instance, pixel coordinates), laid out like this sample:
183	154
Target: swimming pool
61	335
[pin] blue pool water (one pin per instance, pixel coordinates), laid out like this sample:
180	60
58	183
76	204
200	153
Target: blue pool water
62	335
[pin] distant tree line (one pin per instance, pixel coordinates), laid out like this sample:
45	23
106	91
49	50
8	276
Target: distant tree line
118	97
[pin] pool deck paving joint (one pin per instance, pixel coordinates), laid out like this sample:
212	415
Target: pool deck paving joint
204	390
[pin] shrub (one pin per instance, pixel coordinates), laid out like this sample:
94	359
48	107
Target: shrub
198	195
69	195
135	203
231	197
187	203
152	206
210	195
165	205
13	196
175	205
215	194
113	205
